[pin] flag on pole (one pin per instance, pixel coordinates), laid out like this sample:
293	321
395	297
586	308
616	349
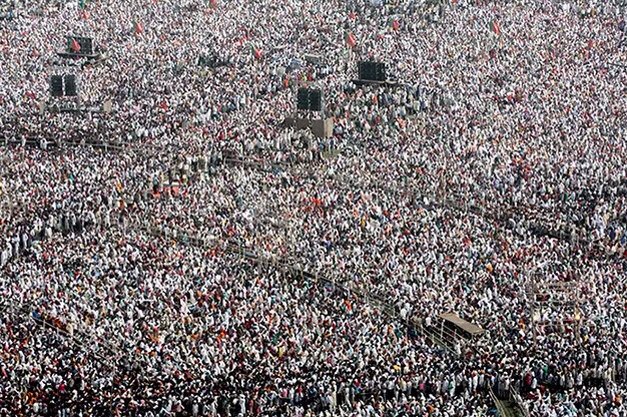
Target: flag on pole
351	41
81	4
496	27
352	15
213	4
139	28
75	46
396	25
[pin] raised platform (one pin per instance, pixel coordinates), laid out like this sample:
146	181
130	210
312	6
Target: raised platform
73	55
376	83
462	326
320	127
74	107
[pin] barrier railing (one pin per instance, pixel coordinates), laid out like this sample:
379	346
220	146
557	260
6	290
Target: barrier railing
20	310
518	401
502	411
444	339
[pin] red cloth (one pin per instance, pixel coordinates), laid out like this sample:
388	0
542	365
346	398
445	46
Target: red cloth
496	27
75	46
351	40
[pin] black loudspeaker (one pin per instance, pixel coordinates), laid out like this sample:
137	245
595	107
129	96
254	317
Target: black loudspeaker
211	61
381	73
372	71
56	86
63	85
307	99
69	81
367	70
315	100
302	99
88	44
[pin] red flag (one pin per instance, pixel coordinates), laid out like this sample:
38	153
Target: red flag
139	28
221	335
496	27
164	105
258	53
214	3
351	40
352	15
75	46
396	25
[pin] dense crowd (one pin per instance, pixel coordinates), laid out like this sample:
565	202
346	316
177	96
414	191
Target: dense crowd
188	254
